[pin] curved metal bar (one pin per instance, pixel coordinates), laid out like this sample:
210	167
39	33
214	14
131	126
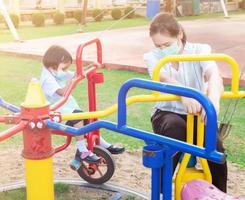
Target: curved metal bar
201	57
67	93
210	137
79	61
143	135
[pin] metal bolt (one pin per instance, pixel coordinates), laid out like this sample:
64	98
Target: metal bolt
56	119
39	125
32	125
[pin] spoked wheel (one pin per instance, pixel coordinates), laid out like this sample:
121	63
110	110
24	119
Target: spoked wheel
101	172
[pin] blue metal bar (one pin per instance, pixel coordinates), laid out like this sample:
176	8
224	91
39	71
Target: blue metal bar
143	135
9	106
210	136
167	173
155	183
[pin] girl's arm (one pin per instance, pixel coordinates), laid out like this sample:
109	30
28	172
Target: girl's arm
215	86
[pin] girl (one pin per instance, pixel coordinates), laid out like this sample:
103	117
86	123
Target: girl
169	118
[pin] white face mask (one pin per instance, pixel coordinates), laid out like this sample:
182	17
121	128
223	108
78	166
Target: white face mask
173	49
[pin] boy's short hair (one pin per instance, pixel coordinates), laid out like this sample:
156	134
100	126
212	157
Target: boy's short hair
56	55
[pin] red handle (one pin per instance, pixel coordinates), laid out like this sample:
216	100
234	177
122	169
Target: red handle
67	143
67	93
79	60
13	130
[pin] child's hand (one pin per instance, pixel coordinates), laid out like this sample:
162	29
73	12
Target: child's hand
95	64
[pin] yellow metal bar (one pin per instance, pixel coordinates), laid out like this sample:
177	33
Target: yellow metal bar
39	179
200	142
136	99
200	57
183	165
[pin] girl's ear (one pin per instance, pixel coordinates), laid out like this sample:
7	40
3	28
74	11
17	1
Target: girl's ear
181	35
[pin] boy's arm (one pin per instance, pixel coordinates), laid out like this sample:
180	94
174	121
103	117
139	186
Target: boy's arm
61	91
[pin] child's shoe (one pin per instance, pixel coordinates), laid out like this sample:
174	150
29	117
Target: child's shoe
90	157
75	164
114	149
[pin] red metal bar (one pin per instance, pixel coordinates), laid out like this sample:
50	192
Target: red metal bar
67	93
12	131
79	60
2	119
64	146
67	143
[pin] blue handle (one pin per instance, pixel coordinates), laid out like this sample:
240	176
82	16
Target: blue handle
211	127
9	106
143	135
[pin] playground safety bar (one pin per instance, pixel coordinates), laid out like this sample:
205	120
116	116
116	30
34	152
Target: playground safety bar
79	61
201	57
143	135
9	106
80	74
210	144
67	142
171	89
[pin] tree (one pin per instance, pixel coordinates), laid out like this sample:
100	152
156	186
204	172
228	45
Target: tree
84	13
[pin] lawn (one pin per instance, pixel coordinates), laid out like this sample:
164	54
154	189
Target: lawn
16	73
30	32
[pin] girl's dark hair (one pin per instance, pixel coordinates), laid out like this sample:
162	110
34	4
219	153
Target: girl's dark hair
166	23
56	55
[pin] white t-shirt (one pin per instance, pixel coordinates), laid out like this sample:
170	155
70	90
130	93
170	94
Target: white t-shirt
189	74
50	85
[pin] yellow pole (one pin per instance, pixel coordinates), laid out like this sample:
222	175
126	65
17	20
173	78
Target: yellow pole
38	149
39	179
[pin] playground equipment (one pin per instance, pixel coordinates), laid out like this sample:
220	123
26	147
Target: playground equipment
89	172
38	121
185	172
9	21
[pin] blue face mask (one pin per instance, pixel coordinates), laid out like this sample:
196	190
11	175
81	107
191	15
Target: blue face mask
168	51
60	75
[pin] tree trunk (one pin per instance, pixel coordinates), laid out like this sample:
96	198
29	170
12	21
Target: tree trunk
84	13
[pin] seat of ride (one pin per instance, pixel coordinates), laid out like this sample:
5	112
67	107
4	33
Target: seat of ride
202	190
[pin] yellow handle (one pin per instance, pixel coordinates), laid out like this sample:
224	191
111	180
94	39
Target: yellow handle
201	57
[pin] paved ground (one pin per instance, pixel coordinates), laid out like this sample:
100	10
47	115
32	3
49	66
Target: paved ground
123	48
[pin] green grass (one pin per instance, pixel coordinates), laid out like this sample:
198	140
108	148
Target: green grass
15	73
65	192
30	32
